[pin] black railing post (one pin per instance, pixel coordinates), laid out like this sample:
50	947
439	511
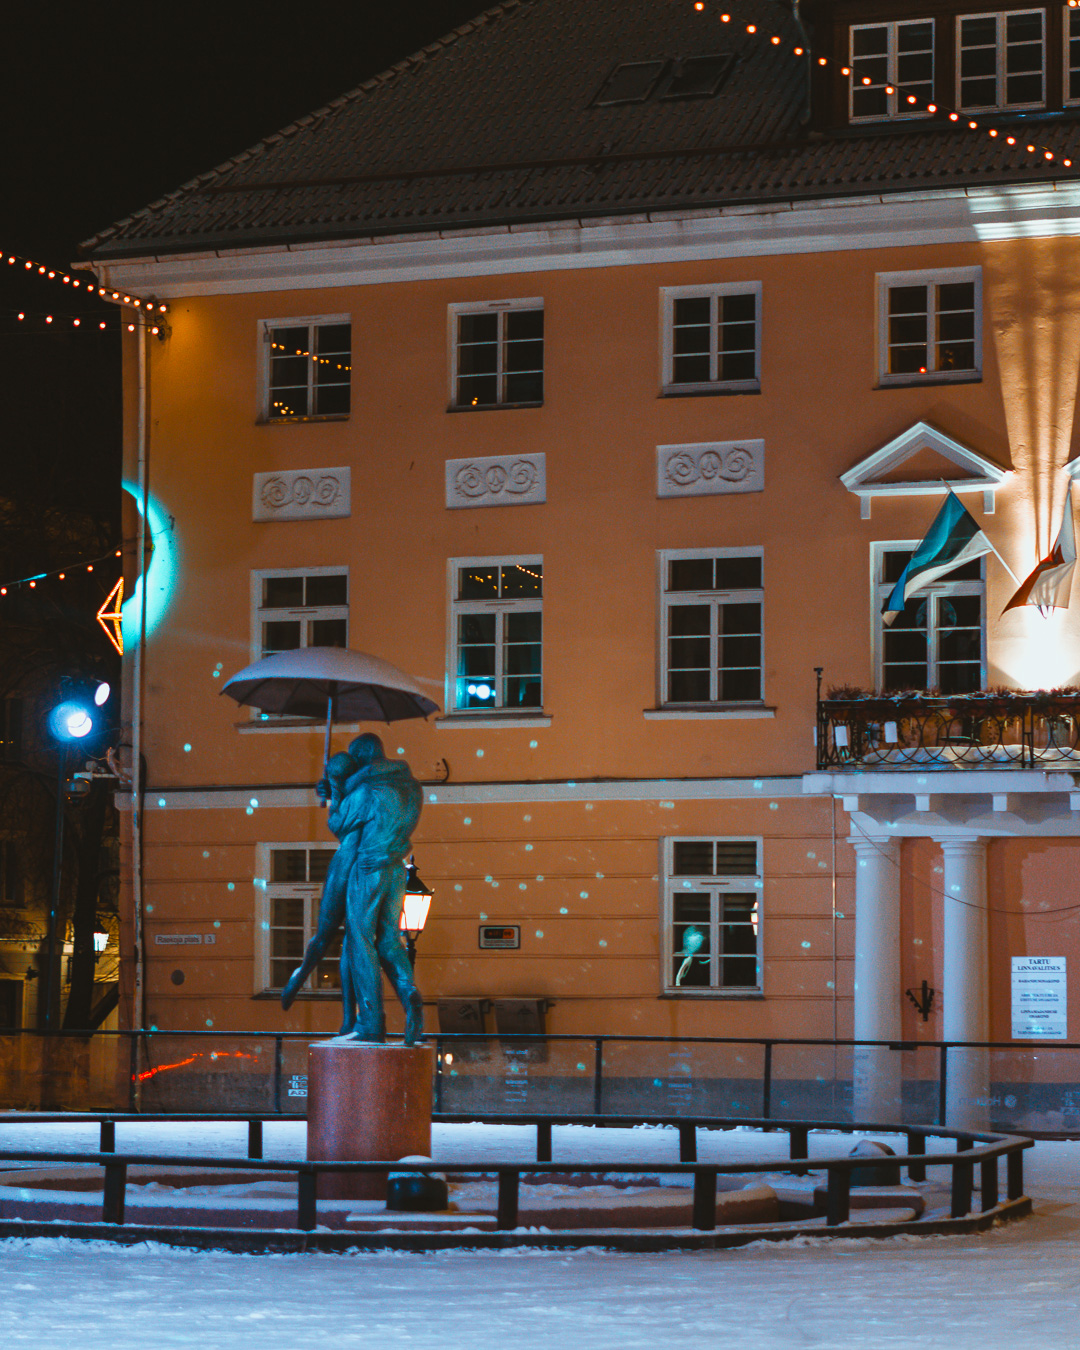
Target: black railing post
133	1067
598	1078
916	1143
507	1216
943	1085
112	1209
306	1208
108	1136
255	1139
543	1141
988	1183
838	1197
438	1073
705	1199
799	1147
277	1073
1015	1174
687	1143
820	721
766	1083
962	1179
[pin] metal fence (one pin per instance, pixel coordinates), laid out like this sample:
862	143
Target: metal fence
1033	1088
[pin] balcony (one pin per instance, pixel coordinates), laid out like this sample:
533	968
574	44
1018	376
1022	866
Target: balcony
998	729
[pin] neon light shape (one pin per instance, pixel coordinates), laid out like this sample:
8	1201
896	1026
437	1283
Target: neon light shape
161	571
110	618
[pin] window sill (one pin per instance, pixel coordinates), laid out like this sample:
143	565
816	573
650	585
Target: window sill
305	995
288	421
919	381
744	995
710	390
492	720
491	407
705	711
293	724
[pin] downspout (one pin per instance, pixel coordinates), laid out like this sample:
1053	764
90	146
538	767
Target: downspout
137	784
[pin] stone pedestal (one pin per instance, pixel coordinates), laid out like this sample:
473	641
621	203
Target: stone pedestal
367	1102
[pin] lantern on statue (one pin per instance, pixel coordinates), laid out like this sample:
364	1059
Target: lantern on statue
414	912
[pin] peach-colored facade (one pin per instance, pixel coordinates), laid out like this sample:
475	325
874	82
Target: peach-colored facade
557	824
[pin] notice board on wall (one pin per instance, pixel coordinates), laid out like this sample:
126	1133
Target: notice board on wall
1039	999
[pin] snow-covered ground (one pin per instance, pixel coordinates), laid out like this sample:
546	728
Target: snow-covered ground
1019	1285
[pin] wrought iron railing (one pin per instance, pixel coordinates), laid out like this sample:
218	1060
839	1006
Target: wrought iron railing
993	730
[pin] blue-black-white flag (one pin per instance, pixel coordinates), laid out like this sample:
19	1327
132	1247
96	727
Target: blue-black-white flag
952	540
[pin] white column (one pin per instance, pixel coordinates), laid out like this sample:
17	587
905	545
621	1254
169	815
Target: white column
877	1070
965	980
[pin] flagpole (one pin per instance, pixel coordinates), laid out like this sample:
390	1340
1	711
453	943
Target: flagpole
950	492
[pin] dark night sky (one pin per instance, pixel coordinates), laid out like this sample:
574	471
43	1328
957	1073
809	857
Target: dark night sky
101	117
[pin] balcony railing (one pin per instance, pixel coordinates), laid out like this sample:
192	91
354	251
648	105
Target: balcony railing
992	730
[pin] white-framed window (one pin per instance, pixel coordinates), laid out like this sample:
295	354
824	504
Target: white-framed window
497	354
299	607
930	325
892	69
1071	19
306	367
287	891
497	625
711	938
939	641
711	627
711	338
1000	60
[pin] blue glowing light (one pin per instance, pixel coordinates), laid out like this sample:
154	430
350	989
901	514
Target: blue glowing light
161	571
481	691
70	721
101	693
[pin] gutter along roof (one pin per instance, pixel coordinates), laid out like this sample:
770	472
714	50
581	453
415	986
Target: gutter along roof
496	124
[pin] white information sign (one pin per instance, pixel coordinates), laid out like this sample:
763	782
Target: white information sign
1039	999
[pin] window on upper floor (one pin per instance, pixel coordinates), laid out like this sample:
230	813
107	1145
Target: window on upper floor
497	354
11	874
307	368
711	627
891	65
287	914
711	939
1071	19
301	608
930	326
497	624
711	338
1000	60
939	641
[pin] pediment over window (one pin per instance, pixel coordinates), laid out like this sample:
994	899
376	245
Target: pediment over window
923	462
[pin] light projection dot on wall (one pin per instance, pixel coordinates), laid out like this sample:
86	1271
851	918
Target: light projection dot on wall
829	984
265	926
187	749
533	745
467	820
494	885
479	754
758	784
526	817
571	785
215	675
217	924
918	942
153	1027
588	806
774	806
401	749
564	910
457	885
539	878
602	942
528	848
488	880
806	944
150	910
254	801
249	810
539	932
483	918
161	801
839	915
231	886
206	853
599	876
433	796
811	854
581	1068
209	1021
584	895
667	806
938	871
822	862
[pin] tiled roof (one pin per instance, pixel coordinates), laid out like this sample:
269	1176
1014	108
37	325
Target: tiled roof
494	125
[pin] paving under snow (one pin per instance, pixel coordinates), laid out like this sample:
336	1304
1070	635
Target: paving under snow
1017	1285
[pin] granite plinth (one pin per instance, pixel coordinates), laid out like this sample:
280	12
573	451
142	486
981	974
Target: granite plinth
367	1101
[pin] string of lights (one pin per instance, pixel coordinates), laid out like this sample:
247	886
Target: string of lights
87	323
914	104
87	284
59	574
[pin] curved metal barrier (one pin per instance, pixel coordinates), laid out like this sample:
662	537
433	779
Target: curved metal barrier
982	1151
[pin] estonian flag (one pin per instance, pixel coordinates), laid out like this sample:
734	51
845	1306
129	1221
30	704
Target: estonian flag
1049	585
952	540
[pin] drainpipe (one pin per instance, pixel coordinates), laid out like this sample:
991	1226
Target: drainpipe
137	784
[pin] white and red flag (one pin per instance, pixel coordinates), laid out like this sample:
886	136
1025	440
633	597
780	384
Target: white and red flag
1051	582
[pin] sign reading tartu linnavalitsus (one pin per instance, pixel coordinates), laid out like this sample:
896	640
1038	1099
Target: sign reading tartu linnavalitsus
1039	999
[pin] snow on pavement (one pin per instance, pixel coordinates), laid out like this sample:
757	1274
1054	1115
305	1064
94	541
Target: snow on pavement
1019	1284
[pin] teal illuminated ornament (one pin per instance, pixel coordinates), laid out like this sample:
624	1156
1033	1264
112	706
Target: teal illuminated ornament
692	942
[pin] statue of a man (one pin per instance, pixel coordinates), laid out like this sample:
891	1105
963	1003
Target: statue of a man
374	806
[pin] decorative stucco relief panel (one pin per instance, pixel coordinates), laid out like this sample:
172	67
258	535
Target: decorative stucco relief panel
302	494
710	468
496	480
